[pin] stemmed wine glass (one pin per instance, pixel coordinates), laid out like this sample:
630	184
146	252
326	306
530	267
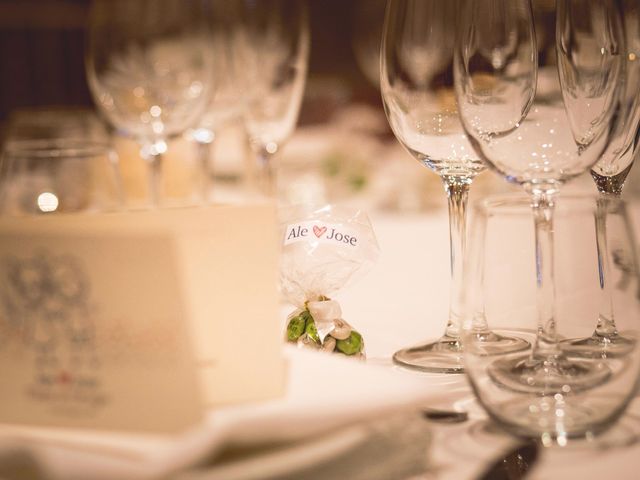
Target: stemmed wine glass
149	71
227	101
274	51
417	89
609	175
538	143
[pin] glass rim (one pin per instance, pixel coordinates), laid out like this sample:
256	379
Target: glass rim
56	148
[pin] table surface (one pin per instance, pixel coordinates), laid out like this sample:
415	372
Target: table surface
402	301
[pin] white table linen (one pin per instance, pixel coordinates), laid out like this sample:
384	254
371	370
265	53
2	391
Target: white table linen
402	301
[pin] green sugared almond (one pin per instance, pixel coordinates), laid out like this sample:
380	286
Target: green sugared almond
351	345
311	330
297	325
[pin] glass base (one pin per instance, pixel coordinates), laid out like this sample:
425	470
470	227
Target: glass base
599	346
612	430
524	374
445	354
556	420
491	343
442	356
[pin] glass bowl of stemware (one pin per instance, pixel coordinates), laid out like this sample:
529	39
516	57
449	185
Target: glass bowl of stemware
150	72
416	82
610	175
501	291
541	142
273	55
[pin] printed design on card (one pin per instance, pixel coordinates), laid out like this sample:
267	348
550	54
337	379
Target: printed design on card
316	231
45	306
319	231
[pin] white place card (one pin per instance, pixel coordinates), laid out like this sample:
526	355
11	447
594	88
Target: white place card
138	321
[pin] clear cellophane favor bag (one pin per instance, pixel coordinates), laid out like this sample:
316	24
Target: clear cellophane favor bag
323	250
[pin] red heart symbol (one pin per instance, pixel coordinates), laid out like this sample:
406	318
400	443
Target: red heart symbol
319	230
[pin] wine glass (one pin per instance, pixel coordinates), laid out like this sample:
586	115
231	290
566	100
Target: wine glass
149	71
501	286
227	101
274	50
416	82
538	143
609	175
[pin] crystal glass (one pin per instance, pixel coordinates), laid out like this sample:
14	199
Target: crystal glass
534	141
228	99
149	71
502	290
609	175
274	52
416	82
58	175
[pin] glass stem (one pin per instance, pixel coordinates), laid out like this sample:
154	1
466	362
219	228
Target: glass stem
546	346
457	189
634	258
154	162
114	162
474	291
606	327
266	179
204	152
7	166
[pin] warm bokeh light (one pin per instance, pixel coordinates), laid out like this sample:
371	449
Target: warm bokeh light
47	202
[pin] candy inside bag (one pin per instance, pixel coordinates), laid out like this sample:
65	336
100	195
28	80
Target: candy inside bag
323	250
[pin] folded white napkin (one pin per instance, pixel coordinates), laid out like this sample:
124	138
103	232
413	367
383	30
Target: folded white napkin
324	392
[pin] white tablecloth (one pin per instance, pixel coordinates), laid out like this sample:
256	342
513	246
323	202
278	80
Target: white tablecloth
405	301
402	301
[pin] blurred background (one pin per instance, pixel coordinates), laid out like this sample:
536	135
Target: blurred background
342	150
42	54
42	67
